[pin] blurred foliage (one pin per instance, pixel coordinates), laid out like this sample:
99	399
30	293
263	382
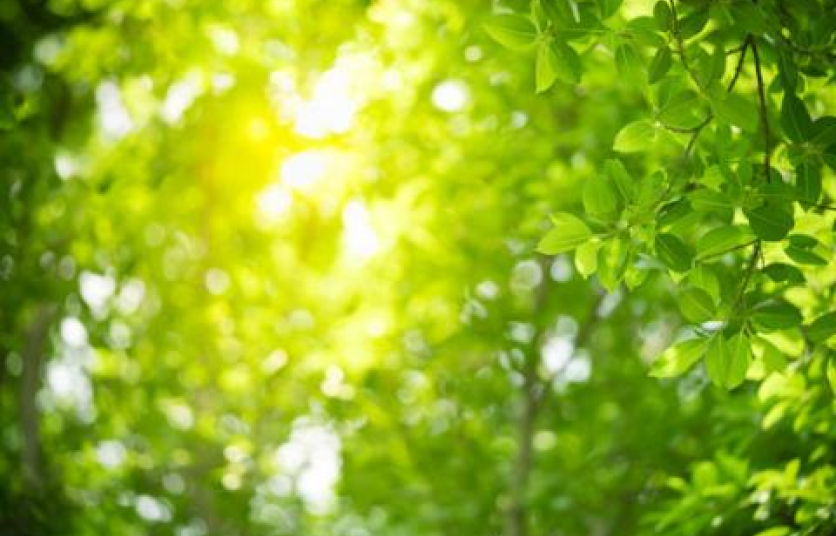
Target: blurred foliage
342	267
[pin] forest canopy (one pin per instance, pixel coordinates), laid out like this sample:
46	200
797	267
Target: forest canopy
415	268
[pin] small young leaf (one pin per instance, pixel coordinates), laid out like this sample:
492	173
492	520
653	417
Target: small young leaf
795	119
569	232
513	31
586	257
677	359
673	252
635	137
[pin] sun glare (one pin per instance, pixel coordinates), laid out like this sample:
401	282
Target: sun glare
302	170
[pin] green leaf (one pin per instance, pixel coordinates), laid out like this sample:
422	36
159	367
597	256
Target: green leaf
822	328
662	15
569	232
546	66
673	252
703	277
615	171
780	530
736	110
612	262
659	65
629	63
569	67
679	358
586	257
608	8
682	111
824	131
776	315
696	306
773	359
784	273
722	239
600	199
706	200
727	360
635	137
513	31
805	256
788	70
770	222
808	183
795	119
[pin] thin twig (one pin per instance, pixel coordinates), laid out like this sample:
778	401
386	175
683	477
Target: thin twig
763	112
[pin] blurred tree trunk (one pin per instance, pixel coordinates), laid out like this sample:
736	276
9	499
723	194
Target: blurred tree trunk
32	465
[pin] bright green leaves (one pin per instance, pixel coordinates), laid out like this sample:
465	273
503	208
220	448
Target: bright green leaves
513	31
776	315
635	137
672	251
682	111
795	119
659	65
805	249
679	358
608	8
662	15
808	183
822	328
722	239
629	64
770	221
568	233
600	198
586	257
727	359
556	61
736	110
696	305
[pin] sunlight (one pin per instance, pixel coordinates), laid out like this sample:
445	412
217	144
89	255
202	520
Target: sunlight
302	170
359	236
331	108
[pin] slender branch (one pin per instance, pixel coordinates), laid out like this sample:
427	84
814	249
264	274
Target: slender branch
764	117
750	269
739	68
